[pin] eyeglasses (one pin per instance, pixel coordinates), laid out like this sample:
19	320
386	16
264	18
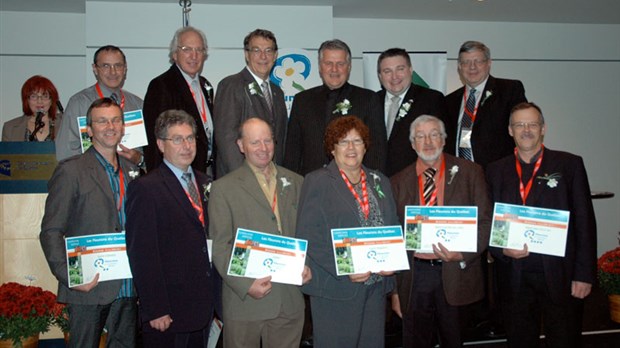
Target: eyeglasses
108	67
178	140
188	50
269	51
476	62
35	97
523	125
104	121
346	142
266	142
433	136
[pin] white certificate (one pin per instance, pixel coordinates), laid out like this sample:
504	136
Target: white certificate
135	132
543	230
257	255
455	227
105	254
374	249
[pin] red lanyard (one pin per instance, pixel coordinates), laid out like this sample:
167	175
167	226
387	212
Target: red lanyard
203	111
100	93
364	201
526	191
433	198
197	206
121	184
274	202
472	116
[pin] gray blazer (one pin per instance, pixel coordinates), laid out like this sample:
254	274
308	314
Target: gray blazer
80	202
15	129
237	201
327	203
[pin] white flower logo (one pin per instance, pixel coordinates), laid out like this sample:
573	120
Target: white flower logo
343	107
290	72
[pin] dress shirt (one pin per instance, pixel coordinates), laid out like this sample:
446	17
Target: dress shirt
388	102
209	128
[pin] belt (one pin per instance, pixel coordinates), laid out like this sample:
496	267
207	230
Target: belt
432	262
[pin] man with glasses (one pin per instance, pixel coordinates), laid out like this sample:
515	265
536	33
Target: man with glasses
110	69
87	197
246	94
535	287
182	88
167	241
438	282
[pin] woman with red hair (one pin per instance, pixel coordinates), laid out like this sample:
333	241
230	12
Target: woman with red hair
41	119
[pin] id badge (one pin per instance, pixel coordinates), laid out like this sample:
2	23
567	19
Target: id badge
210	248
465	141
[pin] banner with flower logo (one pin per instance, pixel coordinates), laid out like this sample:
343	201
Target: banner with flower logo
295	70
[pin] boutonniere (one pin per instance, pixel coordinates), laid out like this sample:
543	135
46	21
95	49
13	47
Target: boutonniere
343	107
206	190
453	171
552	179
255	89
285	184
404	109
377	184
209	90
134	174
487	95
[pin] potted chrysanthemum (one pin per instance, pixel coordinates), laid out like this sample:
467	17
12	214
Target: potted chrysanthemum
609	280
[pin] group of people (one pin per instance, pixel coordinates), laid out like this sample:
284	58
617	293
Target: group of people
347	157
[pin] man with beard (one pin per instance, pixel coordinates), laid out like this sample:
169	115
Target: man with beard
429	295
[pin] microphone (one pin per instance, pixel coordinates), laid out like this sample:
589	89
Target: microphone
38	119
59	106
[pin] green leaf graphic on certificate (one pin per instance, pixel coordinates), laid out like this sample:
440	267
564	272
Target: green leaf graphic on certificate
413	236
343	260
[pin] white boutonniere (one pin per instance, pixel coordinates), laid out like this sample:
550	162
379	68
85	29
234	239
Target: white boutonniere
453	171
285	183
377	184
404	109
343	107
254	89
487	95
552	179
209	90
134	174
206	191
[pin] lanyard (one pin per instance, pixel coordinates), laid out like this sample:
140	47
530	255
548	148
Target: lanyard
100	93
274	202
364	201
433	198
472	116
197	206
121	189
526	191
203	111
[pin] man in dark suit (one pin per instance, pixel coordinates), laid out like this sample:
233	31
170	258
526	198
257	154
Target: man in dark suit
182	88
534	285
478	133
403	102
313	109
429	295
246	94
258	196
86	197
167	242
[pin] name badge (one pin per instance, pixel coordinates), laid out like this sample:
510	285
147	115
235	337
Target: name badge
465	141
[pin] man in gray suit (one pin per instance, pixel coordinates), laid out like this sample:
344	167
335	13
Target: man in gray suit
258	196
246	94
87	197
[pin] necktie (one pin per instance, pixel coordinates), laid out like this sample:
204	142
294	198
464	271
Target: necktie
267	94
429	186
114	97
467	122
392	114
191	188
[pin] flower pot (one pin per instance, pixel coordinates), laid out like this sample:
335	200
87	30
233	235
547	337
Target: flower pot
30	342
614	307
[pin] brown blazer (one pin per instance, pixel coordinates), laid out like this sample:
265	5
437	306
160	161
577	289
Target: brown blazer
466	188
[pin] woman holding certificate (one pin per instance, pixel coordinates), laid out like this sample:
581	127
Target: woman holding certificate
347	310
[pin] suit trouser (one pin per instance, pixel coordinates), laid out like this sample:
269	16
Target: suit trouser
283	331
530	304
169	339
86	323
429	311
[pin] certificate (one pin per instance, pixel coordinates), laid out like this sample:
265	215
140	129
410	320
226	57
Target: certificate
543	230
105	254
374	249
455	227
257	255
135	132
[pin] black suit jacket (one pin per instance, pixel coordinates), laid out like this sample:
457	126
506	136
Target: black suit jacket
167	249
572	193
170	91
424	101
490	140
304	150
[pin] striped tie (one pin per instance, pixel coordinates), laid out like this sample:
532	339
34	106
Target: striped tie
191	188
467	123
429	186
267	94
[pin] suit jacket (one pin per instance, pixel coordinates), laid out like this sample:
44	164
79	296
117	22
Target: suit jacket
423	101
310	116
572	193
15	129
327	203
170	91
80	202
234	104
466	188
490	140
168	255
238	202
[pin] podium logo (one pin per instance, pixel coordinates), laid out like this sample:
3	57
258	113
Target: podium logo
5	167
